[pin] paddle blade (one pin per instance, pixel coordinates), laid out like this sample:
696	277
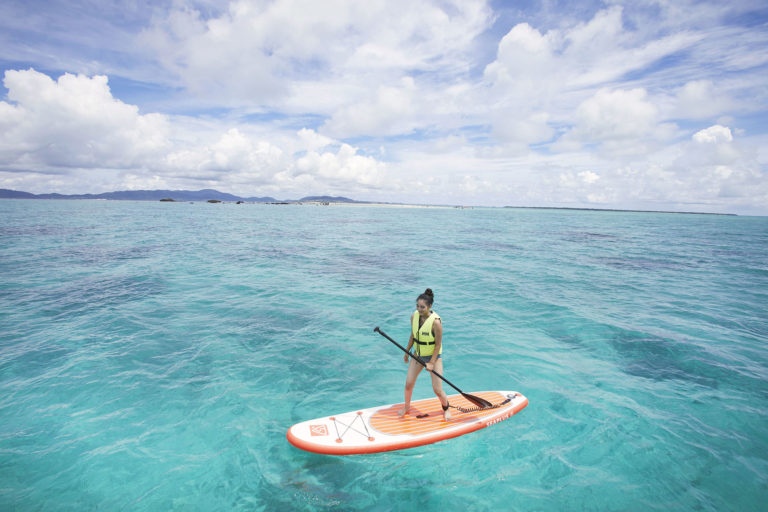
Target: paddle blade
480	402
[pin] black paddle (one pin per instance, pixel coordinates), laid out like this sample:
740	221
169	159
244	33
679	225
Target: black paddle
480	402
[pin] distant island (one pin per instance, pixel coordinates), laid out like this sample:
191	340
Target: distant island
172	196
214	196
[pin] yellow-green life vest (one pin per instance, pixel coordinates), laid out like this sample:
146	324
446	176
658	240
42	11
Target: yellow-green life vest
423	337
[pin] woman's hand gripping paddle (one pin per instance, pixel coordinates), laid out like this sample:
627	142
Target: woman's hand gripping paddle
482	403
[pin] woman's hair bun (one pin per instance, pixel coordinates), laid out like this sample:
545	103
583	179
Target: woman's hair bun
427	297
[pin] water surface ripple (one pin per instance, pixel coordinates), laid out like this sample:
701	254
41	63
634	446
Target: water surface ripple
152	355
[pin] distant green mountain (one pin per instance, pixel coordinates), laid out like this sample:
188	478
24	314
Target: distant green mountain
329	199
141	195
15	194
176	195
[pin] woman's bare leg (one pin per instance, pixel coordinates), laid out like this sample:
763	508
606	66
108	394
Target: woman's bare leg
437	387
410	381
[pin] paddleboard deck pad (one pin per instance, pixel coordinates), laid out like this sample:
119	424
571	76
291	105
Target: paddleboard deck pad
380	429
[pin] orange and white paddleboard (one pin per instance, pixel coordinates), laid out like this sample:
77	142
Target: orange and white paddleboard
380	429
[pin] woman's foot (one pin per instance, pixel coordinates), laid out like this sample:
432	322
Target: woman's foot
446	412
402	412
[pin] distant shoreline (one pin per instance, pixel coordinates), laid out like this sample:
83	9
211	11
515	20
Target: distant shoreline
616	210
214	196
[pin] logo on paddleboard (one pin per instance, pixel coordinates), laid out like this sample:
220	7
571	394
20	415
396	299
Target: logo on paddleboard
318	430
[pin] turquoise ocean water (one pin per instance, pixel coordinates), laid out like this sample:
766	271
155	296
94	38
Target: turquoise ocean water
153	355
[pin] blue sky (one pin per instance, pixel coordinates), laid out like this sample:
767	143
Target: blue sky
644	105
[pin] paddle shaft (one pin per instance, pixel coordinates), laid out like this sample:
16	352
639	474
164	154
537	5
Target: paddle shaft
477	400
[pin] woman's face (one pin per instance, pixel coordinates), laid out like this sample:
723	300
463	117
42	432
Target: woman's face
422	307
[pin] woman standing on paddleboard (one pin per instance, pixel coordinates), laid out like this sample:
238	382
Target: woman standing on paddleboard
427	335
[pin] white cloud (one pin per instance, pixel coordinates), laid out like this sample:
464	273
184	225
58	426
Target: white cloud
344	166
619	122
223	56
248	54
713	135
389	112
352	64
525	75
234	159
75	127
715	146
699	99
709	171
524	54
74	122
615	114
310	140
576	57
589	177
544	75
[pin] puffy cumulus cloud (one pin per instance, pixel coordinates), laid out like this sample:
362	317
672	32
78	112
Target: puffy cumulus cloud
713	135
519	93
74	122
74	128
290	51
303	164
715	146
542	75
525	56
344	167
310	140
232	160
235	151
